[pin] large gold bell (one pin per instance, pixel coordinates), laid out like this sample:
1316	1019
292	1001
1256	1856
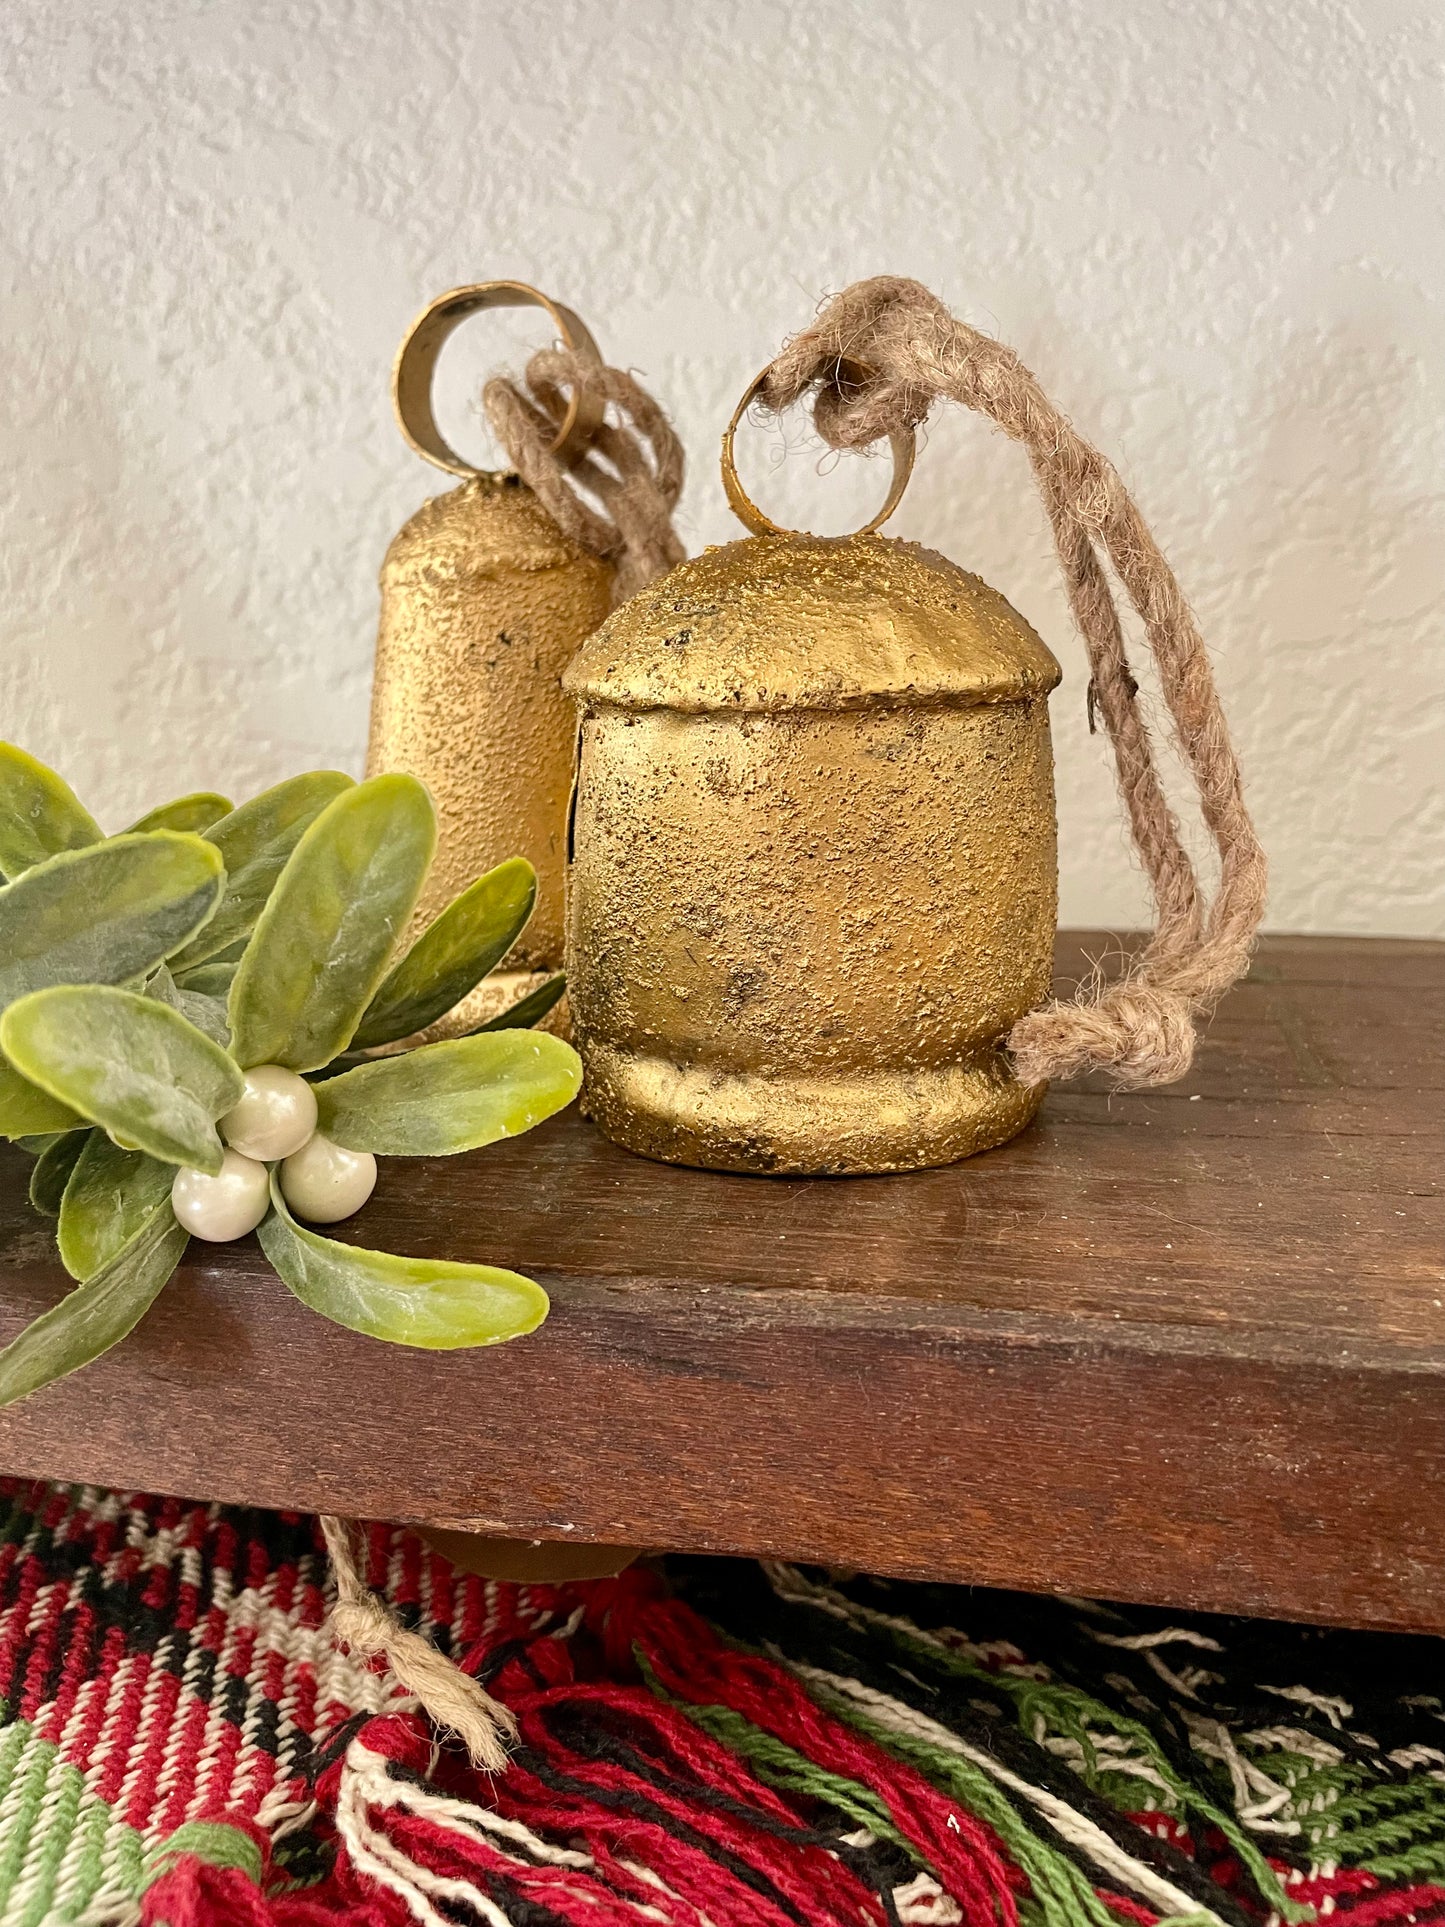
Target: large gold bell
483	602
814	874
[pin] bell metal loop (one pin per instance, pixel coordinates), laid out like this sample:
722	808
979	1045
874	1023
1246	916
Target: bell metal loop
411	379
902	441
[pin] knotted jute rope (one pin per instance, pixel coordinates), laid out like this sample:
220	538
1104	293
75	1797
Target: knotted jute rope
633	467
455	1702
913	352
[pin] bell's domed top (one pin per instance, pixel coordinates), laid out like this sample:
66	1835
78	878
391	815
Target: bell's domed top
807	622
491	524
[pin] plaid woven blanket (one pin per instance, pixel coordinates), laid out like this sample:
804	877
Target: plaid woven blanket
707	1743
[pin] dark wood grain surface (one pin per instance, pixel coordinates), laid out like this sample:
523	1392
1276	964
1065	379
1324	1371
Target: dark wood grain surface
1186	1346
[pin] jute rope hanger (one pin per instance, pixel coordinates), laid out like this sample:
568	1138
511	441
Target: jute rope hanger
875	361
362	1621
556	433
634	467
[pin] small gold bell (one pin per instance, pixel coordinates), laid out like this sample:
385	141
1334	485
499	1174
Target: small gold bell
813	876
483	602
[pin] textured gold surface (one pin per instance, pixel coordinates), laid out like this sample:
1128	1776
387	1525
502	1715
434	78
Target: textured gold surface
814	874
800	622
483	602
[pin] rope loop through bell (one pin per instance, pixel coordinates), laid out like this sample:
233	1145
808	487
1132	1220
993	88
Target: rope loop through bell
847	377
578	417
902	352
556	432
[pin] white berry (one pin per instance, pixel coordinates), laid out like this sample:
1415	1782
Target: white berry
325	1182
275	1116
225	1206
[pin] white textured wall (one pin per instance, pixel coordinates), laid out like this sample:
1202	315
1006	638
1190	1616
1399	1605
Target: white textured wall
1213	228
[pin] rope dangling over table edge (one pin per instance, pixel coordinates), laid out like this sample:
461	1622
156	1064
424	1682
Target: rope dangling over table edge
633	467
1140	1027
453	1700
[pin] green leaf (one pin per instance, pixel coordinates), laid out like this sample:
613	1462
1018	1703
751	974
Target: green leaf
93	1317
198	811
452	1096
28	1112
110	1195
522	1015
212	979
425	1302
226	959
53	1168
105	915
133	1066
255	842
206	1012
39	814
527	1010
321	945
452	955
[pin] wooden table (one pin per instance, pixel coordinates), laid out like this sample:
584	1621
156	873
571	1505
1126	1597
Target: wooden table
1186	1347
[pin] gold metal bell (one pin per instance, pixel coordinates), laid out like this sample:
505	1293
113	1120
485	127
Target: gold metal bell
813	877
483	602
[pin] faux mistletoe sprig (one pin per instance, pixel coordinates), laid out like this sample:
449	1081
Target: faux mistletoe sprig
187	1016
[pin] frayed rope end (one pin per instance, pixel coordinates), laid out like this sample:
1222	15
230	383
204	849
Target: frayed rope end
1138	1032
452	1700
